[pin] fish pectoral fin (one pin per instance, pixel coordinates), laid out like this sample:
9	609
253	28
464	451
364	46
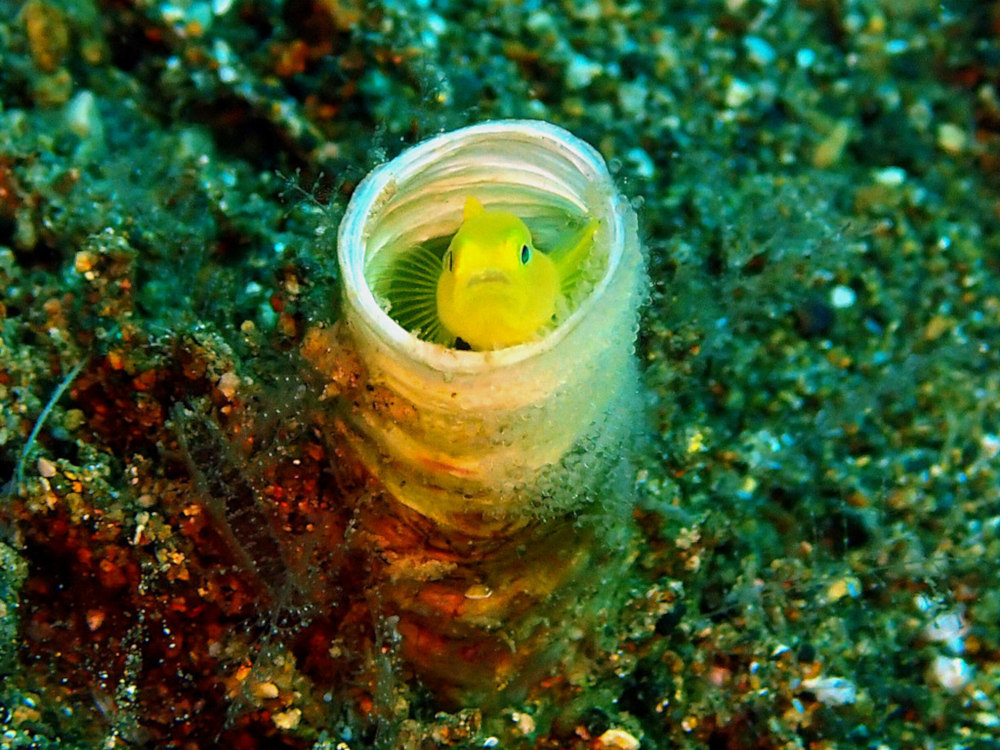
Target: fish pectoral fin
407	291
570	255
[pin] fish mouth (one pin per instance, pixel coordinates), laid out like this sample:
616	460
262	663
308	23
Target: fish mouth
492	276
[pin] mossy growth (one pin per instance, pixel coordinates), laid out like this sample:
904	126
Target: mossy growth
13	571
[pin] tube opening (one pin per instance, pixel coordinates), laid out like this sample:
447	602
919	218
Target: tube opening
403	216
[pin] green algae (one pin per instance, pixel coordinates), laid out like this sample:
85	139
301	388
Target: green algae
14	573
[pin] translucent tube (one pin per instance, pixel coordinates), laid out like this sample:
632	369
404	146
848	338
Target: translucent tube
517	433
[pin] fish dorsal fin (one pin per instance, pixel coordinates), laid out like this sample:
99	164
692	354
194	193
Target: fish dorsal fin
472	209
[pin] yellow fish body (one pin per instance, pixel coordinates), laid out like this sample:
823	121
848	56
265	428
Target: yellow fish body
496	289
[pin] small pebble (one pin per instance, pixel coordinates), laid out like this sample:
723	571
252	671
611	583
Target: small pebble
891	176
46	468
951	138
229	384
946	627
759	50
805	58
264	690
617	739
632	97
829	150
581	71
842	297
287	719
833	691
738	93
73	419
478	591
83	117
640	162
525	722
843	587
987	719
95	618
990	444
951	674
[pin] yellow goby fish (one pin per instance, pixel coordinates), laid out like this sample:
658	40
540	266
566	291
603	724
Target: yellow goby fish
496	289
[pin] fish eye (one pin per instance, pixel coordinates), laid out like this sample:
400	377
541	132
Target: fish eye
525	254
447	262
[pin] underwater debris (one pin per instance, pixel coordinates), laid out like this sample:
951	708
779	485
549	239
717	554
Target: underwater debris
232	504
15	481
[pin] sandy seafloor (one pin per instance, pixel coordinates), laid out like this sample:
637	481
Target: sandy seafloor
818	500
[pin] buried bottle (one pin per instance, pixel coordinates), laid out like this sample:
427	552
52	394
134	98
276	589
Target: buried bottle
503	520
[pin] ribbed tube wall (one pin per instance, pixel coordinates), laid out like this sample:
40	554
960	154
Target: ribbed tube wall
470	432
490	459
